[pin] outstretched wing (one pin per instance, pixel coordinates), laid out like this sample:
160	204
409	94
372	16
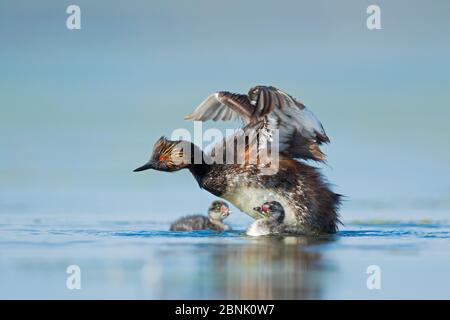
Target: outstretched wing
264	110
223	106
289	113
300	132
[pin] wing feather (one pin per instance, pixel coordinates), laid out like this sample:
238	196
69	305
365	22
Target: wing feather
224	106
300	131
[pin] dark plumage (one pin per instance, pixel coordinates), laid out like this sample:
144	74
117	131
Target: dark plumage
217	212
276	124
309	203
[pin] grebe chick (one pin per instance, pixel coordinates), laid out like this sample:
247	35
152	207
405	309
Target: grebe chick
218	211
272	214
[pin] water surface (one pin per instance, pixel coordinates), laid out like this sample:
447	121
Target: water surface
80	109
140	259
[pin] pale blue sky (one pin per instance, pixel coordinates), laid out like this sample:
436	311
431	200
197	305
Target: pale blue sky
81	109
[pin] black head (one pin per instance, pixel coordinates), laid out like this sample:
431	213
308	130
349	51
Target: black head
168	155
219	210
271	209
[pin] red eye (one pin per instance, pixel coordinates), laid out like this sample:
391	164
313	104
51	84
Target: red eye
162	158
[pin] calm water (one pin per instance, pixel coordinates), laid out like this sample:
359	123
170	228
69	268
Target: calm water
140	259
79	110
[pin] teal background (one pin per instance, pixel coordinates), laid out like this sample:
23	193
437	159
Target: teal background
80	109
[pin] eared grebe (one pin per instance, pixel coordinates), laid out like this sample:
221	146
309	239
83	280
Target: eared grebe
308	202
217	212
271	222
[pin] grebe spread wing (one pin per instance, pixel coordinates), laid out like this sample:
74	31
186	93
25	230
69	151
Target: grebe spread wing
263	110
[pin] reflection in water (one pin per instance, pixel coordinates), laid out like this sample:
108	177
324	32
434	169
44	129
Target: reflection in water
268	268
136	264
260	268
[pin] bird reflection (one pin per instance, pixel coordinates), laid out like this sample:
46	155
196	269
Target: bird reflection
269	268
274	267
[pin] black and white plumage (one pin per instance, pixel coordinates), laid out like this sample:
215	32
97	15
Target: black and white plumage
310	206
264	109
271	221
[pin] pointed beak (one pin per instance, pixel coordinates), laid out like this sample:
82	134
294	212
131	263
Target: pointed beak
146	166
258	209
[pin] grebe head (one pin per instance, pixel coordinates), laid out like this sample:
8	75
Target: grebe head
271	209
169	155
219	210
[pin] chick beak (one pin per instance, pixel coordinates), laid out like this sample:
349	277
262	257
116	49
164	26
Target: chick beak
225	211
148	165
257	209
